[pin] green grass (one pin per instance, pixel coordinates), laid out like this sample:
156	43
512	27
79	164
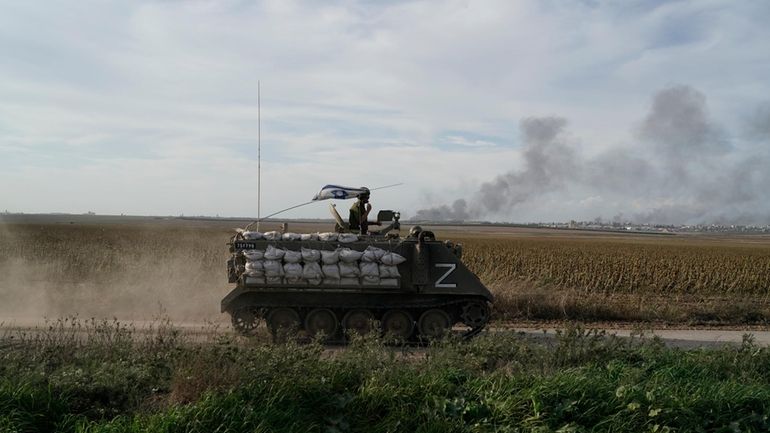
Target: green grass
104	377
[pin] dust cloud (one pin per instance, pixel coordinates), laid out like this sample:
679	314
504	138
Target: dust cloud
47	272
681	167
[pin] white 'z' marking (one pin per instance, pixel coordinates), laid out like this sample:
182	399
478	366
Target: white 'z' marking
450	268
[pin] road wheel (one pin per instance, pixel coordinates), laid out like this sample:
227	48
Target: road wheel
283	321
245	320
321	321
358	322
397	324
434	323
475	314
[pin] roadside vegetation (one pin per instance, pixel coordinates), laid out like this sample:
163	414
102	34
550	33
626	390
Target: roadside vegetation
96	376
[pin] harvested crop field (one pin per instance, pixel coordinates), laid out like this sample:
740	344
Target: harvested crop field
133	268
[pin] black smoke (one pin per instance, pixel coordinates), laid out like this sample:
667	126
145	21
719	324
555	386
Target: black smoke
548	162
681	167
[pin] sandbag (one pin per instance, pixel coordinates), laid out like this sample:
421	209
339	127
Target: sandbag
273	268
292	256
330	257
292	270
349	282
347	238
370	280
331	282
255	265
308	237
331	271
255	269
273	253
310	255
328	237
272	236
388	271
291	236
312	271
350	256
254	254
314	281
274	280
372	254
294	280
252	236
392	259
349	270
389	282
369	269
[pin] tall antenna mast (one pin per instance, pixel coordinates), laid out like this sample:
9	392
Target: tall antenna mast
259	156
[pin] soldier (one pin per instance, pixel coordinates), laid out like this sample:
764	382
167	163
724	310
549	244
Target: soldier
359	213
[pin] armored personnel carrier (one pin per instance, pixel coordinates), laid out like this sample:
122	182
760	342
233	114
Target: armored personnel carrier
412	287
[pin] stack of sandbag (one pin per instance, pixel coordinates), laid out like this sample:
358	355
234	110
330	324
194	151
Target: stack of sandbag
329	267
373	266
254	271
380	267
311	268
338	267
343	238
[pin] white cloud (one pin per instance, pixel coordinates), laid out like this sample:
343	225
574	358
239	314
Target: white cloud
157	100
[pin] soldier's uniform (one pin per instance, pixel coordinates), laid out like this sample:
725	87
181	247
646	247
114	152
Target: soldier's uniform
356	219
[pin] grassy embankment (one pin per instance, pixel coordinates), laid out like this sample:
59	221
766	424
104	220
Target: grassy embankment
106	377
131	269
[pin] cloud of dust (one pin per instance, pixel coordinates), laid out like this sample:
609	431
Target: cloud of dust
681	168
138	284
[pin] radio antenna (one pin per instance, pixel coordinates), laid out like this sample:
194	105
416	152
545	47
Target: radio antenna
386	186
259	156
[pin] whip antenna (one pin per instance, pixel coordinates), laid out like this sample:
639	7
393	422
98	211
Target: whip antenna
386	186
259	155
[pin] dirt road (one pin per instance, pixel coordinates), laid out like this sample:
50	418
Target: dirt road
682	338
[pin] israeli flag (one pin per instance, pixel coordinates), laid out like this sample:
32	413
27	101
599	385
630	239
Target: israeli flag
339	192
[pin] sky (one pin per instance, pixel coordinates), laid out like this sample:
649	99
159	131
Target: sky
518	111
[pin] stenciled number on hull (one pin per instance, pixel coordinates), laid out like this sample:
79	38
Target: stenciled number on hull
450	267
240	245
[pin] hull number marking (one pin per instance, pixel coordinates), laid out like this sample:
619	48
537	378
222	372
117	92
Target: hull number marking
450	267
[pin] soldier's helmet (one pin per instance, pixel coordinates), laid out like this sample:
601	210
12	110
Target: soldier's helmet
415	231
364	196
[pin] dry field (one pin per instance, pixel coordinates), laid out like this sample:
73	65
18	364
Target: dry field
140	267
682	279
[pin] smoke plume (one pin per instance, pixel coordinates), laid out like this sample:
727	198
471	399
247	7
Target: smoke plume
681	167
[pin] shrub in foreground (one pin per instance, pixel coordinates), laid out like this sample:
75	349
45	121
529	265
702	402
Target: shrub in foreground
580	381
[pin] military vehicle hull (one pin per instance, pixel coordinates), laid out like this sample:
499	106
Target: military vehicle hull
435	291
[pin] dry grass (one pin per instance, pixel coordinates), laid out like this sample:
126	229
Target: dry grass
676	280
670	267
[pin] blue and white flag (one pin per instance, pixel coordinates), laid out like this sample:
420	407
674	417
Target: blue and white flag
339	192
